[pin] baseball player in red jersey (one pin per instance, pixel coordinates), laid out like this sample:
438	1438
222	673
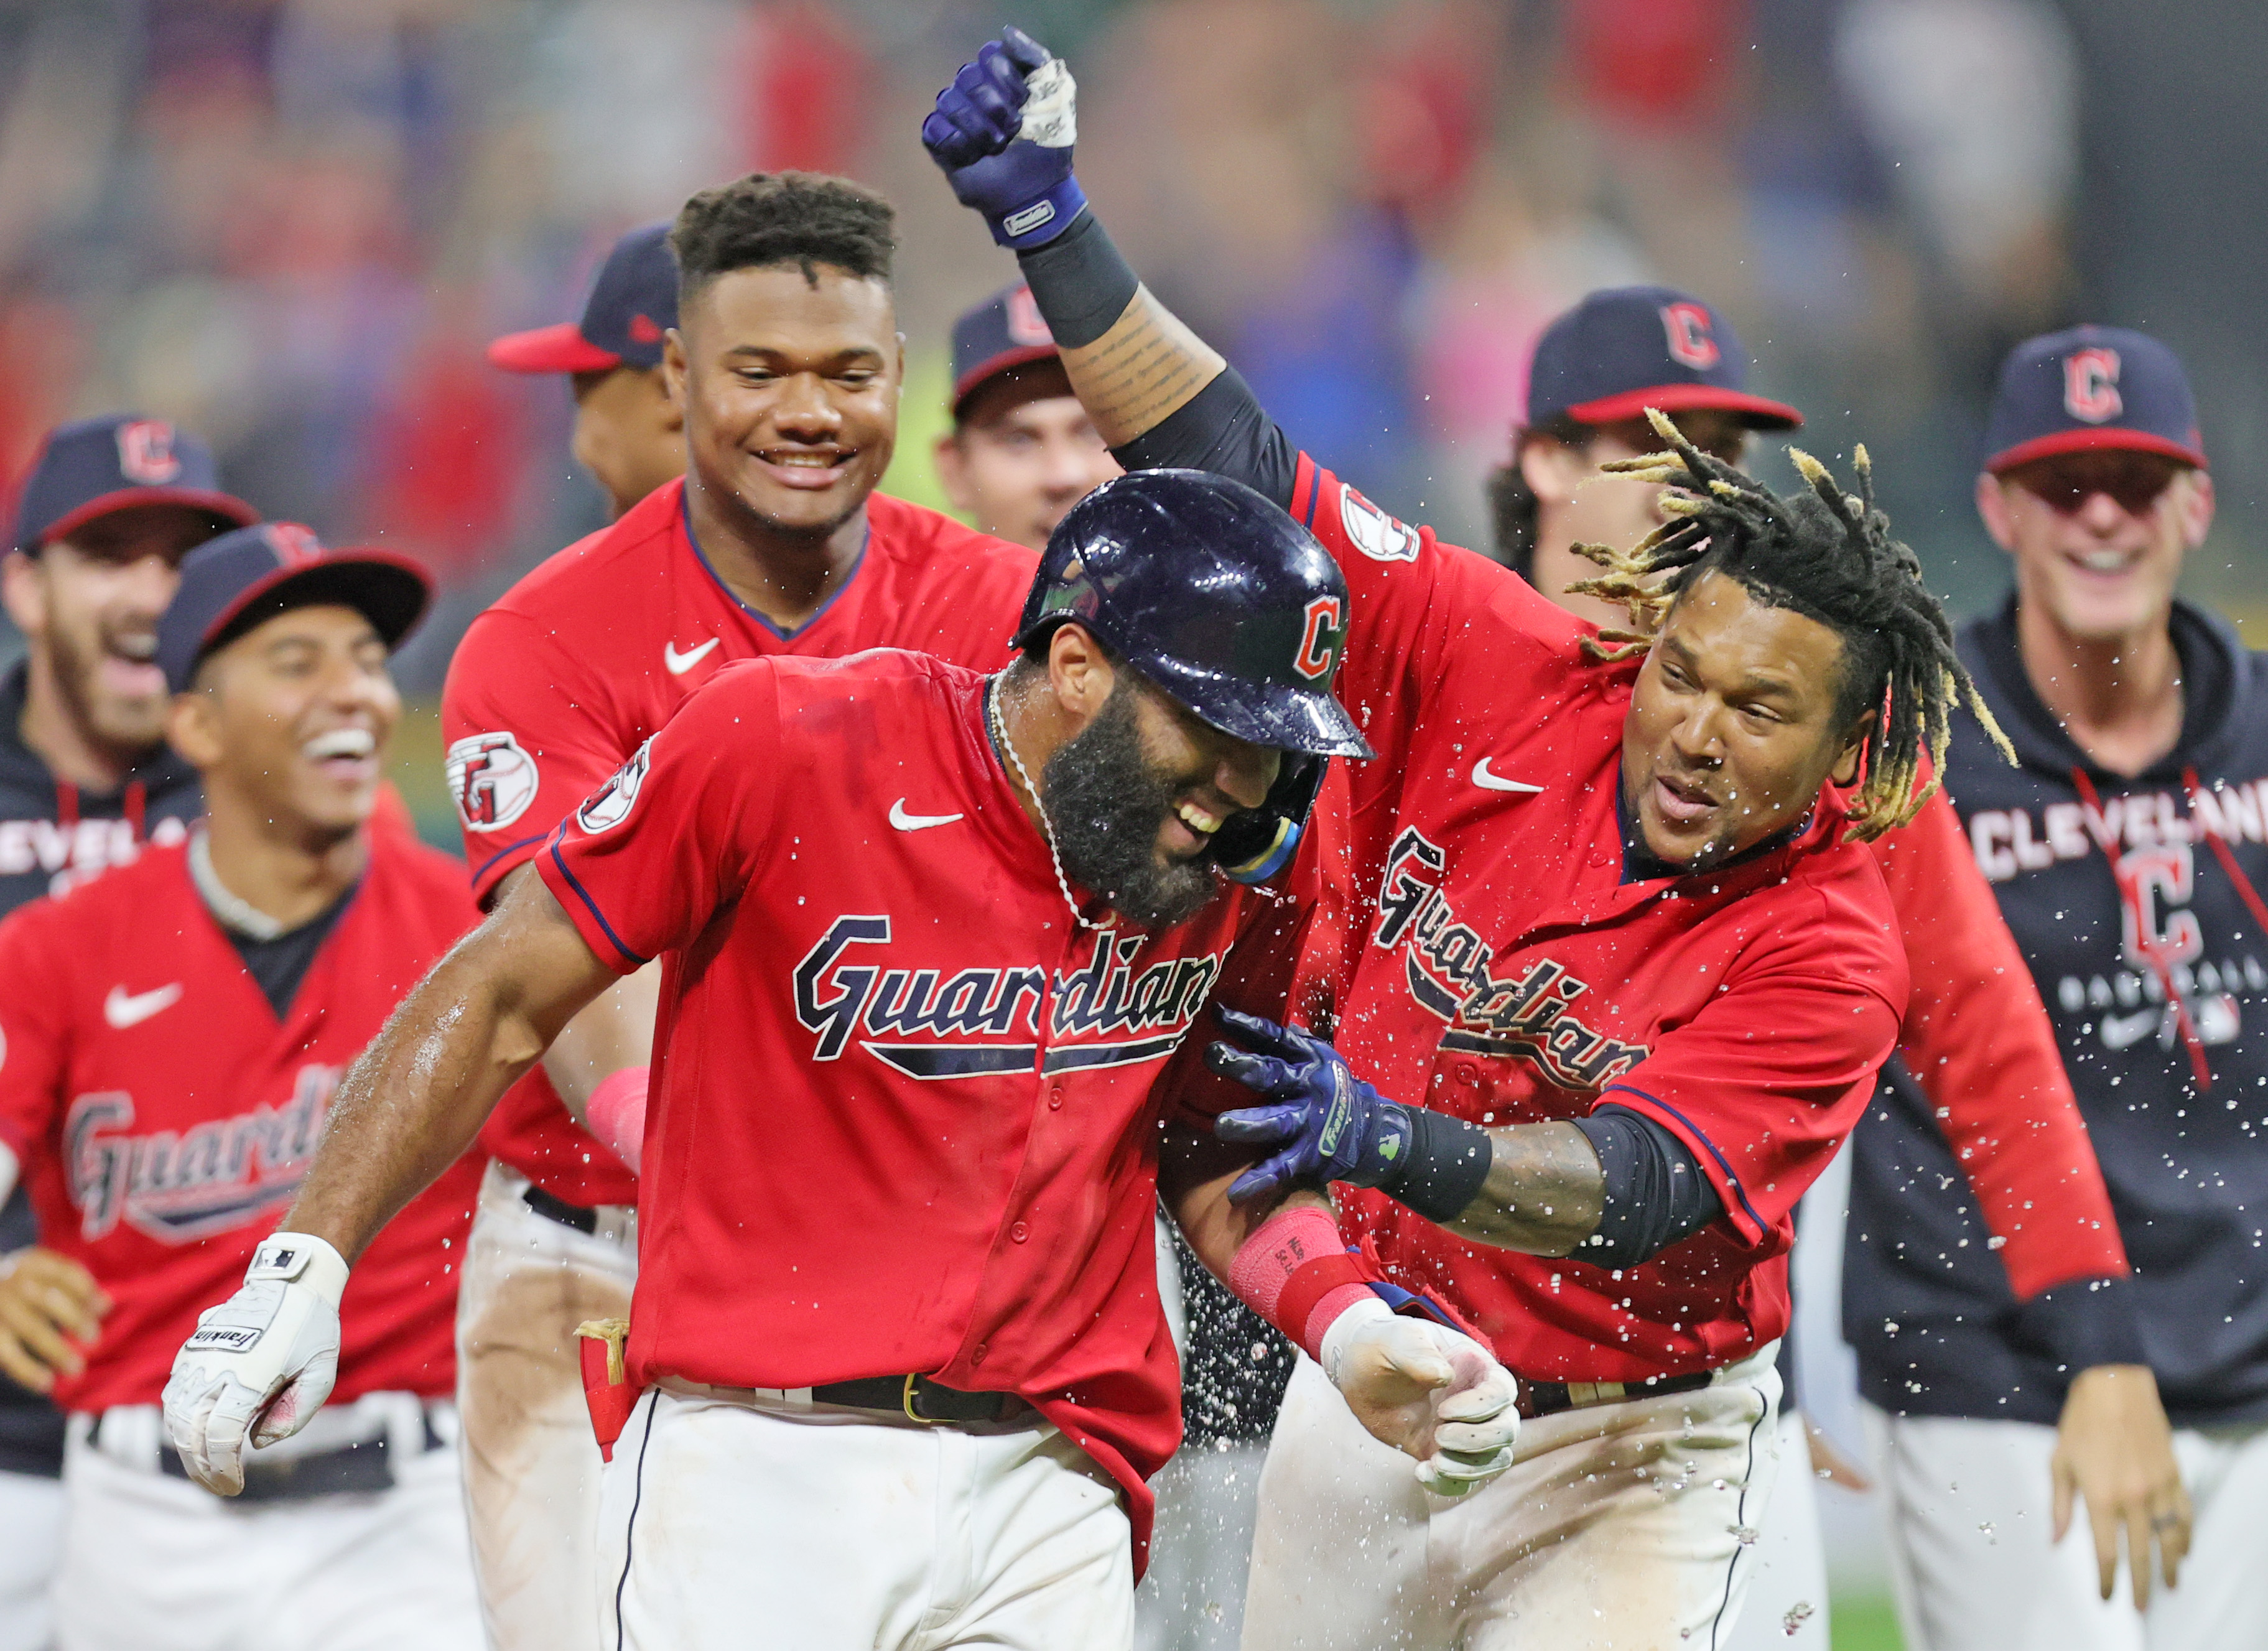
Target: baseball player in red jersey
897	1335
1621	952
173	1034
787	364
1976	1035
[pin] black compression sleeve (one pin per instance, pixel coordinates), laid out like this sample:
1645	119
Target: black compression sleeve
1449	1159
1222	430
1083	286
1080	283
1656	1195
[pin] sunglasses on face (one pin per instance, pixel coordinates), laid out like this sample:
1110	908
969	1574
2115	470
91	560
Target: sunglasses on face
2134	482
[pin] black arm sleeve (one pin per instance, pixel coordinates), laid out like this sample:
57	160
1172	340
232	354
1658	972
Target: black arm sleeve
1083	286
1656	1195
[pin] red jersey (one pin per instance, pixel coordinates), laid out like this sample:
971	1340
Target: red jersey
1507	974
583	660
902	1116
164	1117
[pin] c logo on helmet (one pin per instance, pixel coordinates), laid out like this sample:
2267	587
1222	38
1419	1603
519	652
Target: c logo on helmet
1690	339
2090	385
145	451
1319	643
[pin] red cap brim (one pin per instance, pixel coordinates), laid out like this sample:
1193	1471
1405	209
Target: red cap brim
2108	438
225	505
969	382
561	348
1756	412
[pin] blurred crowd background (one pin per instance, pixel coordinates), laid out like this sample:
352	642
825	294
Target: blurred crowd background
292	224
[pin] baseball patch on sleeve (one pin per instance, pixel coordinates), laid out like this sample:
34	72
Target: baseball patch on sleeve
610	804
492	780
1373	532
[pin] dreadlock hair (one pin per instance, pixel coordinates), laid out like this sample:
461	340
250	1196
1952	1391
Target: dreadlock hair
1513	503
1822	553
767	219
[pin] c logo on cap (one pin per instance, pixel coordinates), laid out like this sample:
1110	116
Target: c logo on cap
1026	324
2090	385
1319	643
1690	342
145	451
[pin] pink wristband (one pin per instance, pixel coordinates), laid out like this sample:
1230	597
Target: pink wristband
617	1114
1285	1243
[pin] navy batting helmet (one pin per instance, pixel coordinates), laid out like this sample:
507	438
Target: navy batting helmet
1212	592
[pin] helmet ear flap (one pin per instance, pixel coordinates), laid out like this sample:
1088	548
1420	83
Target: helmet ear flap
1254	844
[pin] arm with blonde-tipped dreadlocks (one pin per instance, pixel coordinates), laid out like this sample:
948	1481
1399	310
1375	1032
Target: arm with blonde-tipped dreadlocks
1827	554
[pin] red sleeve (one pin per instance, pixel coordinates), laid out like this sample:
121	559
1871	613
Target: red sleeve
33	1037
1767	1081
528	742
679	829
1979	1040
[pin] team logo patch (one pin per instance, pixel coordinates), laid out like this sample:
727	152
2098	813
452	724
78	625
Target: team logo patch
492	780
1026	324
1449	967
1375	534
645	329
1691	342
1319	643
611	802
145	451
2090	385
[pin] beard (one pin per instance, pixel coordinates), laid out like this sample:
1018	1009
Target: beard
124	725
1106	804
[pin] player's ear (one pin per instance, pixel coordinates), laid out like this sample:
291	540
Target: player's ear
669	411
1992	507
672	367
193	726
953	472
1079	671
24	593
1845	771
2195	501
1552	470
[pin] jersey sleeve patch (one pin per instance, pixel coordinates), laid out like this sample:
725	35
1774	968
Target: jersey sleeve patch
610	805
493	779
1372	530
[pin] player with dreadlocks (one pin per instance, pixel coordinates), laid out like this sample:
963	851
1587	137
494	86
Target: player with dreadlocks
1628	977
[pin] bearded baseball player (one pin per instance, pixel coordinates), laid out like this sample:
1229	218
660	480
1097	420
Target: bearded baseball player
109	510
1976	1041
2126	852
1622	952
174	1031
786	362
901	1365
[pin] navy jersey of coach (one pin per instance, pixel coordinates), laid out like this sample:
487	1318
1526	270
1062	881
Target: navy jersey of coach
2186	1162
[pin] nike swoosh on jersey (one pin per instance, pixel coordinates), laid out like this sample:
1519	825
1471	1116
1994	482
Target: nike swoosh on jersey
905	821
1487	781
2124	1031
122	1008
680	663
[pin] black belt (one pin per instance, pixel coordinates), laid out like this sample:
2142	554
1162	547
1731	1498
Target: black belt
1549	1398
357	1468
918	1397
584	1221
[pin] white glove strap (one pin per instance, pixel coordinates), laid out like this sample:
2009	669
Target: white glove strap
299	1258
1051	107
1368	1311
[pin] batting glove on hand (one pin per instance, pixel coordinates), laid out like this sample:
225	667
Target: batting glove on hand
262	1362
1003	131
1330	1124
1430	1391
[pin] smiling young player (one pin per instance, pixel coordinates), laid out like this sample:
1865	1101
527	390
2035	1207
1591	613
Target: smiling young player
786	366
930	938
1621	952
173	1030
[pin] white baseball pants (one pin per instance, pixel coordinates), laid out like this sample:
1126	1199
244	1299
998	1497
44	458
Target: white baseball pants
531	1465
1201	1551
1786	1608
1623	1527
155	1563
735	1523
31	1542
1969	1510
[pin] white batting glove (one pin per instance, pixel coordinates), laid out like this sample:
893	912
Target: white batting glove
261	1363
1430	1391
